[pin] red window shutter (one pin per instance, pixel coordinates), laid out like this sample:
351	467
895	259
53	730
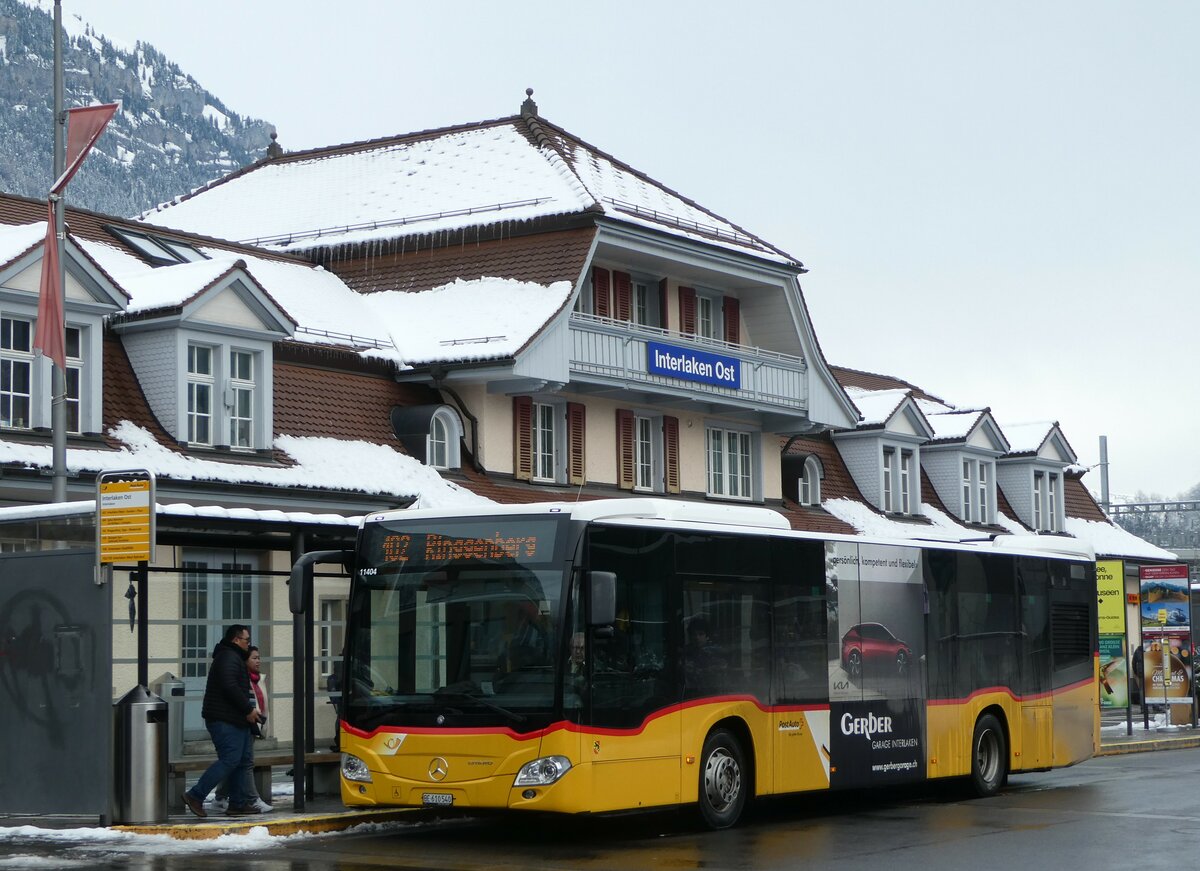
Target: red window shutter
625	452
671	453
600	299
687	311
523	438
623	296
576	455
733	321
662	304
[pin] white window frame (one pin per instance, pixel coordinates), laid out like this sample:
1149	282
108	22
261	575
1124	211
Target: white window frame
199	383
889	474
723	450
1052	500
906	479
1039	489
73	379
242	397
16	356
546	437
643	453
443	443
810	483
985	493
968	485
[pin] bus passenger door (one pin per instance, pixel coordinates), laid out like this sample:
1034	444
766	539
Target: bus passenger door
630	736
801	691
1037	712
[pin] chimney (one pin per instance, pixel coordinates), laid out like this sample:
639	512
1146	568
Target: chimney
274	150
529	108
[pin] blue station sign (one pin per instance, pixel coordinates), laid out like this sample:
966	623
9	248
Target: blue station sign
689	364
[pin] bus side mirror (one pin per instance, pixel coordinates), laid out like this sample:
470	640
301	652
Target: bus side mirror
602	590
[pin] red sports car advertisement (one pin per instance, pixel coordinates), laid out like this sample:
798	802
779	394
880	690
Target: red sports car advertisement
875	596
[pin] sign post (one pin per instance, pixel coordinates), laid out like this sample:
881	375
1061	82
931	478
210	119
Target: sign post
125	533
1166	627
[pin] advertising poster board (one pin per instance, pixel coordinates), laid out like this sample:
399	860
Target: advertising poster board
1114	679
1110	596
876	695
1166	601
1175	648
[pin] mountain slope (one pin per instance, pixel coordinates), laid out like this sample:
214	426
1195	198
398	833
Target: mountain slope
170	137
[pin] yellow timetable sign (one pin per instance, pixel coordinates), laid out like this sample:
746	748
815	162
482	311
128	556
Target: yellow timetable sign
125	525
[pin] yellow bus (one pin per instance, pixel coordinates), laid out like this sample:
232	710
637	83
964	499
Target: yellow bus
644	653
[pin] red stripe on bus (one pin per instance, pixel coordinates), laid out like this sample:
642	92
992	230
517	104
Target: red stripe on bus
1032	697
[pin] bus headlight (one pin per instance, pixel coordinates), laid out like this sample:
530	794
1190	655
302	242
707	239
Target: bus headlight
354	768
542	772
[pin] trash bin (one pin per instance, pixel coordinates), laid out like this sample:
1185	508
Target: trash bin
139	758
171	689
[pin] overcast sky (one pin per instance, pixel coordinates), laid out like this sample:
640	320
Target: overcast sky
996	201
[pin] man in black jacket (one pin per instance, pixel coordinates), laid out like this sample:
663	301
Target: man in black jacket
228	713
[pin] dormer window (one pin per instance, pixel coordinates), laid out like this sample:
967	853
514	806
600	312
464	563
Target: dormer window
199	395
445	435
810	482
1046	501
74	355
897	481
241	405
16	372
976	491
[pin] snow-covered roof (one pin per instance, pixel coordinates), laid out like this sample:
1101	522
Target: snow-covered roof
1106	539
877	406
953	425
182	509
499	172
481	319
16	239
1028	438
335	464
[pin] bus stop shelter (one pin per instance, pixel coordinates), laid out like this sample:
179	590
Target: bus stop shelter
75	638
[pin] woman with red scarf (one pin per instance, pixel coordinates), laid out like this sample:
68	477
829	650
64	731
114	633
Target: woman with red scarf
258	684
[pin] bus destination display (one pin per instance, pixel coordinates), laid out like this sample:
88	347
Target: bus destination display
471	543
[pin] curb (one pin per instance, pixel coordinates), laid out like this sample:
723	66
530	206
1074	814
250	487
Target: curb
1121	748
291	825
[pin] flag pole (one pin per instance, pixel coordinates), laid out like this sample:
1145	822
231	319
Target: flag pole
58	378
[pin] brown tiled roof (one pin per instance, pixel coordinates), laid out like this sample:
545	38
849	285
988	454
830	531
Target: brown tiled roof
872	381
930	495
1078	501
837	483
542	258
315	401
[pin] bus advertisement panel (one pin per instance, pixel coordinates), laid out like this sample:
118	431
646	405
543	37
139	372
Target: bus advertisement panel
876	697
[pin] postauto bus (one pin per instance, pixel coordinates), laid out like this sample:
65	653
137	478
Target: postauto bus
643	653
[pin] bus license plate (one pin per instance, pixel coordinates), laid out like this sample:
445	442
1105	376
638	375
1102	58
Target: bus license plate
438	799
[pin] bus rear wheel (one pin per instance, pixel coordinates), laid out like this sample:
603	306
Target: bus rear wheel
723	780
989	757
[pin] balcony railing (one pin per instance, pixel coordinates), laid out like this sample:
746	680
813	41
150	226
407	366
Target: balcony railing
609	351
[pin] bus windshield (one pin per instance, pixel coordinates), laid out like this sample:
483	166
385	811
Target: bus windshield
452	624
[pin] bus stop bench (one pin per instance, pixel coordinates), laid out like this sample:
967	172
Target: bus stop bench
324	764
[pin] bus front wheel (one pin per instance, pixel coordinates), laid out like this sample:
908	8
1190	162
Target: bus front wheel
989	757
723	780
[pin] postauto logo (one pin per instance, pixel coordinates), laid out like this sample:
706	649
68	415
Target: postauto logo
869	726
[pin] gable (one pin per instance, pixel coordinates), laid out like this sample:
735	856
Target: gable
84	283
1056	450
228	308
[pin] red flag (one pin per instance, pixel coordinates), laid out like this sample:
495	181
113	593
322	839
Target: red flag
84	127
48	338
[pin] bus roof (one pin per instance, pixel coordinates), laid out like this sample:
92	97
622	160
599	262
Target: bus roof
676	512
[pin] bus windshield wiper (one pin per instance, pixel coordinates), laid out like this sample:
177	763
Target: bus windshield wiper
463	692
